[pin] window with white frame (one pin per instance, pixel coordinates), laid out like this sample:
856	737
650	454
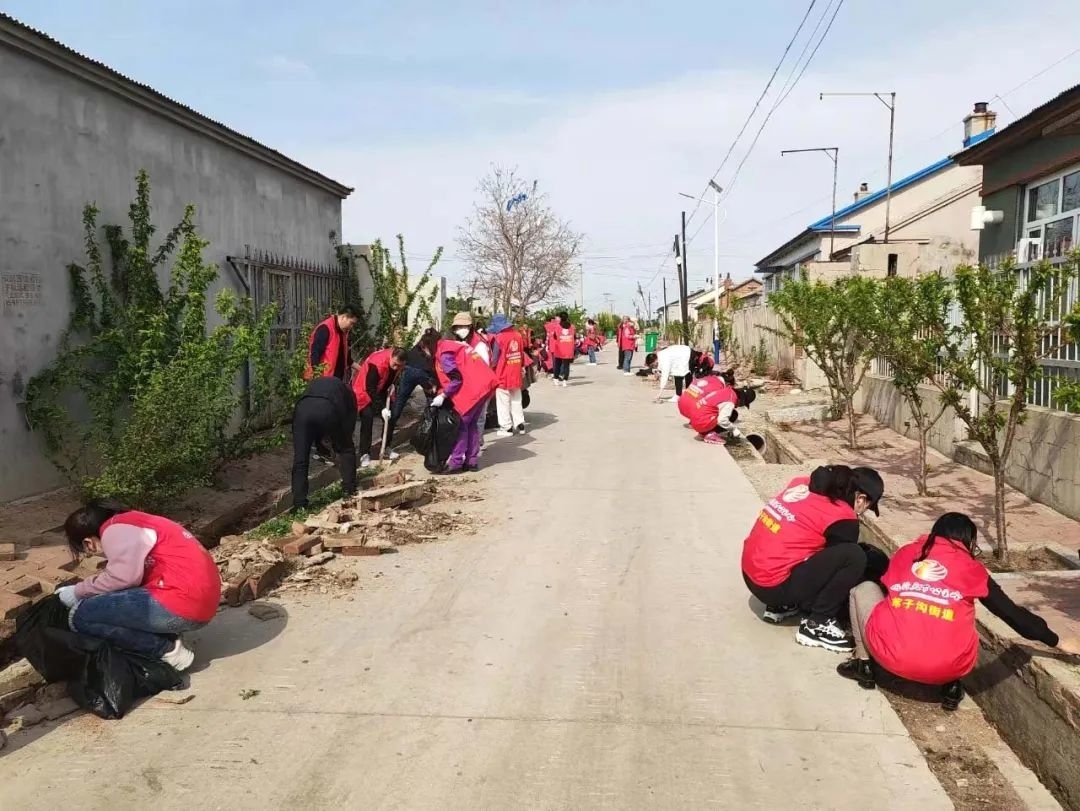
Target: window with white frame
1051	212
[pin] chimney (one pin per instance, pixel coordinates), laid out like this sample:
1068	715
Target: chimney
979	124
864	191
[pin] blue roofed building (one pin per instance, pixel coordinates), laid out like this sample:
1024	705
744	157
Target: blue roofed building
929	224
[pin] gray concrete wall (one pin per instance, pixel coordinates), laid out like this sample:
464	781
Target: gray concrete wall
1045	460
65	142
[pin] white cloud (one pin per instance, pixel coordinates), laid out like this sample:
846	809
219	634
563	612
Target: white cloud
615	162
285	67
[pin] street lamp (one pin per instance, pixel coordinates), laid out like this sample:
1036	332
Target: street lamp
717	190
891	104
835	158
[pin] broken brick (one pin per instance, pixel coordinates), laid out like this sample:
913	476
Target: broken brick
388	497
264	577
59	708
17	676
11	605
24	586
52	579
7	551
359	551
301	545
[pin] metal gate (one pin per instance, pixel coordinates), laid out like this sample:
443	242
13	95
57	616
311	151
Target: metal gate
304	291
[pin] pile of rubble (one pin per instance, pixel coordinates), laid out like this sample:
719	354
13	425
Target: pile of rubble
376	520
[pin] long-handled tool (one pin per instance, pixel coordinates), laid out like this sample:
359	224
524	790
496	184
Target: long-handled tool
385	433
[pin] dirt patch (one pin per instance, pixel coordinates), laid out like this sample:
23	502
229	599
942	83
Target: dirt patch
1027	560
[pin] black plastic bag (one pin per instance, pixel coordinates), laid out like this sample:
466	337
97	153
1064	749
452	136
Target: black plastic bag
447	427
424	436
101	678
525	398
491	416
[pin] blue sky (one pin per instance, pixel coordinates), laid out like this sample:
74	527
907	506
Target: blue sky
613	106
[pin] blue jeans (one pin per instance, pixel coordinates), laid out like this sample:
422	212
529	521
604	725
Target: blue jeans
592	354
627	357
410	378
131	619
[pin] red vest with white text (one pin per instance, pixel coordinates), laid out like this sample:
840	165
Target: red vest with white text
564	342
790	528
700	402
509	366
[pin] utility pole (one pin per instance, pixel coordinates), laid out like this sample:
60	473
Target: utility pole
581	270
665	305
684	279
891	104
835	158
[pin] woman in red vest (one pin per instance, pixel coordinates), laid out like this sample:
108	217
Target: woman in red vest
158	582
710	403
371	385
328	346
565	336
919	622
627	339
803	554
592	340
466	382
508	360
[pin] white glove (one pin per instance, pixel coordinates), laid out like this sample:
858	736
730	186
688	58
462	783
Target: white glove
386	413
735	432
438	400
67	596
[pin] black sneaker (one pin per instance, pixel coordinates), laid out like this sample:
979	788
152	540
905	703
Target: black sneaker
951	696
859	670
521	428
776	614
828	635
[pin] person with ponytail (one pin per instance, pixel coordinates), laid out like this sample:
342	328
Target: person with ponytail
803	553
158	581
919	623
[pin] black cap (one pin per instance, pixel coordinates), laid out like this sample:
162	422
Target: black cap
746	396
869	482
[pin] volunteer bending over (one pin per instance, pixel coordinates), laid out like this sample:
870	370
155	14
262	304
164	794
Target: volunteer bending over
803	554
375	378
158	582
709	403
681	362
921	626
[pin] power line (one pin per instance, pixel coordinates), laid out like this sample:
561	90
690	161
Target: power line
757	104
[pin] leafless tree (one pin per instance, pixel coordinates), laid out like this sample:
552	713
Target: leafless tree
516	250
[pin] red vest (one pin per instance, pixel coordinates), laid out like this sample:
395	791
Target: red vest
510	365
180	574
336	347
477	378
790	529
924	629
700	402
592	336
381	361
564	342
627	337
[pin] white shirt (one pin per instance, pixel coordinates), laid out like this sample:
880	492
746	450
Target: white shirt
673	361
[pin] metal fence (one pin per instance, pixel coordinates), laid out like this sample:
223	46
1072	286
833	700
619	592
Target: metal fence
304	291
1061	363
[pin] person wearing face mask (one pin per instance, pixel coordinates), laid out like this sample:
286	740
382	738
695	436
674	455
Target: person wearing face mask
465	330
803	554
918	623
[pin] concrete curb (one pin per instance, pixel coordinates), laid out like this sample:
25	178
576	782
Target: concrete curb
1034	701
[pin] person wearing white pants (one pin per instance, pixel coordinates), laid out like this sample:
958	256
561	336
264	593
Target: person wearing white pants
508	361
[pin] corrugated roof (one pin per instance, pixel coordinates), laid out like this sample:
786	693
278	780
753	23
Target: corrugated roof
1016	131
27	38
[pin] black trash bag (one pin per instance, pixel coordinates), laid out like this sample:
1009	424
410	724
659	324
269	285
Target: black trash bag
424	436
491	416
101	678
525	398
447	427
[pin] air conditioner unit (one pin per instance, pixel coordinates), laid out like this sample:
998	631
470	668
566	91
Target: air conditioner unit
1029	250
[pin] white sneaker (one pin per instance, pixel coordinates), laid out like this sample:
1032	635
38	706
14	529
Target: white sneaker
179	657
627	374
365	460
502	433
391	456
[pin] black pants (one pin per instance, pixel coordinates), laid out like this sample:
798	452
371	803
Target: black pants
314	420
820	584
682	381
366	418
562	368
410	378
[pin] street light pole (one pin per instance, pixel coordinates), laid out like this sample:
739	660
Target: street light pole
835	158
891	104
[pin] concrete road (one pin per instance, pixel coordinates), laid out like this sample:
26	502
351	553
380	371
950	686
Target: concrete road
592	647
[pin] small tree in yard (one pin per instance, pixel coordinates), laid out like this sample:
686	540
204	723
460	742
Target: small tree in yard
911	333
833	324
517	250
1008	329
